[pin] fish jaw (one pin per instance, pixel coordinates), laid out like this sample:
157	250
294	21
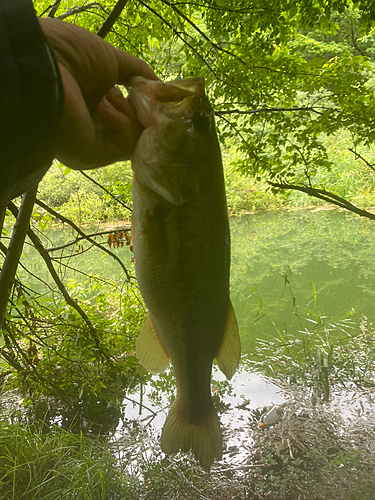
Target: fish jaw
152	98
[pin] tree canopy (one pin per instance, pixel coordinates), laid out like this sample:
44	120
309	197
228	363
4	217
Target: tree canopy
281	75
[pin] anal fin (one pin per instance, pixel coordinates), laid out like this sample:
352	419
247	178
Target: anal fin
228	356
150	352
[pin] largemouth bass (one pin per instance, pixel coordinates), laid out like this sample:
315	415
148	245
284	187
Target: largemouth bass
182	256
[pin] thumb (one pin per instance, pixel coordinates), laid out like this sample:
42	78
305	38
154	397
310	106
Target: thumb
129	65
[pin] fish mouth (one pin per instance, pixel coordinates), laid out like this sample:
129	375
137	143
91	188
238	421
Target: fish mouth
179	90
175	90
174	98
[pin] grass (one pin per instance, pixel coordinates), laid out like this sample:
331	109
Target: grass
56	465
60	465
321	357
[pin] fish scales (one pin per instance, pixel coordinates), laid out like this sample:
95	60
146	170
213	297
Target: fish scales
182	256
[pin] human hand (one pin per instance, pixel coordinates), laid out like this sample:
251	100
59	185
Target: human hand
99	126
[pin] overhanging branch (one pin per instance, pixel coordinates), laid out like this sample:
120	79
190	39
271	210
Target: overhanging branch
105	190
80	9
327	196
265	110
366	162
14	251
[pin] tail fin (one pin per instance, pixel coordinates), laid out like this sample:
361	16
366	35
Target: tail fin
204	439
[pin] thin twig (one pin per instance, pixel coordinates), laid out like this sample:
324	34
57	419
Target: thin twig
178	34
21	352
105	190
47	259
265	110
370	165
76	240
78	10
3	209
54	9
81	233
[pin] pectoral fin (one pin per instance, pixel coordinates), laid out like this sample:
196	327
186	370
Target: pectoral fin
150	352
228	356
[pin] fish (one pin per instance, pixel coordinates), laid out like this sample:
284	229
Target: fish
181	247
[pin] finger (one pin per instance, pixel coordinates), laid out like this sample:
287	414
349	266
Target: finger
122	127
129	65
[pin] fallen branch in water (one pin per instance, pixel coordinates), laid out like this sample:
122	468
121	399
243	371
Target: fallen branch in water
81	233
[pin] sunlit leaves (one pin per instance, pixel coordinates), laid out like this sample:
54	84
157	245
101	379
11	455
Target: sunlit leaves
279	74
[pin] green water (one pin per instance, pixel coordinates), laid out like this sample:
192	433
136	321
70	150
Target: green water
289	266
328	258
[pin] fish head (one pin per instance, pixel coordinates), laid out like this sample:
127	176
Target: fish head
174	154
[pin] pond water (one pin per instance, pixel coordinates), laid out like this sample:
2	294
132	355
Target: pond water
291	268
288	270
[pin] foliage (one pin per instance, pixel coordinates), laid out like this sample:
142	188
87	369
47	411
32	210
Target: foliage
286	476
66	367
84	202
281	77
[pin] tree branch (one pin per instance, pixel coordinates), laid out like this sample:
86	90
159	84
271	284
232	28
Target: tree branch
4	249
54	9
14	251
213	71
82	8
357	155
47	259
81	233
252	153
104	189
76	240
326	196
265	110
3	209
112	18
22	354
202	34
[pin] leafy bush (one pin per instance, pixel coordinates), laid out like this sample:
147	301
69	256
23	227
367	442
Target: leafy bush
82	200
68	366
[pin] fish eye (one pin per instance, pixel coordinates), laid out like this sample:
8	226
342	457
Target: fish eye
201	122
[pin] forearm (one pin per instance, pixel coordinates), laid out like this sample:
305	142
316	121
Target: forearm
31	99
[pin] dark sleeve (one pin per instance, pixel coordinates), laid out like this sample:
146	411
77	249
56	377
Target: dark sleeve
31	99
